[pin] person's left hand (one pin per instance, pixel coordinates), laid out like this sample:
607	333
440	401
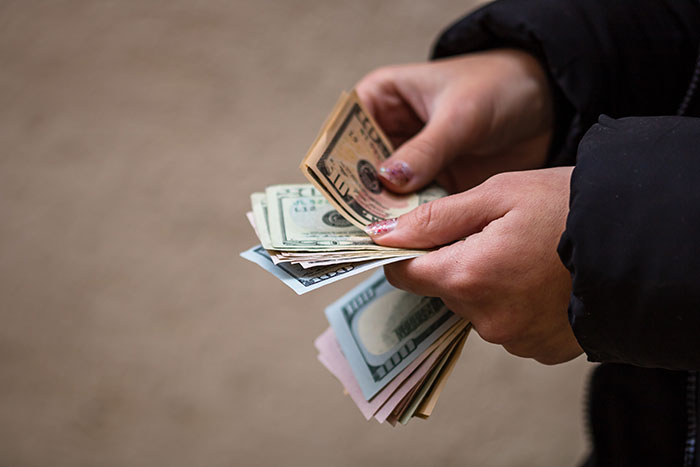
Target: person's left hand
505	276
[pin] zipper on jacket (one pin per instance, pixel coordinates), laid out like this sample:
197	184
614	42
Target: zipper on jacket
588	411
691	404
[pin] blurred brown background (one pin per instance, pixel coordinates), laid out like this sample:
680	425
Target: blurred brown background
132	334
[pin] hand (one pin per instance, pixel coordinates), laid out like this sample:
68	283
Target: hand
505	276
461	120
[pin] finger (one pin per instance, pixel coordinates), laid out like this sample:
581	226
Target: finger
402	100
379	92
444	220
417	161
449	273
376	86
421	276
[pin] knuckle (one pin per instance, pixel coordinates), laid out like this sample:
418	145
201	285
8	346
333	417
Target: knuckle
505	182
425	148
518	351
400	278
495	331
378	76
465	277
373	84
424	217
459	284
474	283
453	286
549	360
419	280
495	189
497	182
393	277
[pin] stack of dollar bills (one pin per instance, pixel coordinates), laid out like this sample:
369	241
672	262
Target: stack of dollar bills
306	243
392	351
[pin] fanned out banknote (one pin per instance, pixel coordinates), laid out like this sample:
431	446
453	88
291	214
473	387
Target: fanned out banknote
392	351
306	243
305	280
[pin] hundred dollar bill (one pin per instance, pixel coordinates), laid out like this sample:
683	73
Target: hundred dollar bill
387	400
343	164
381	329
305	280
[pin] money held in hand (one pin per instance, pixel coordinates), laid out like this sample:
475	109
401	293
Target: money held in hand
381	329
343	164
391	350
307	244
321	224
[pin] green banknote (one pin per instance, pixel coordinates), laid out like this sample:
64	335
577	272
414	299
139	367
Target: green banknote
301	218
381	329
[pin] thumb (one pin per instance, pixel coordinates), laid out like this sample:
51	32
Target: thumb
440	222
417	161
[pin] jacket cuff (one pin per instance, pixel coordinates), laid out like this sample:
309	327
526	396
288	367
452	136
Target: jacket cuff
631	242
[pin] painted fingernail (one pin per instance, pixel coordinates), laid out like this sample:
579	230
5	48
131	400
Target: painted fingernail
397	172
380	228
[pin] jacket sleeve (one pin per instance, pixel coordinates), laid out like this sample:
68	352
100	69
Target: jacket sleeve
632	242
621	58
632	239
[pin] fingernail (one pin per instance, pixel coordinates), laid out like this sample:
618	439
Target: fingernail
397	172
380	228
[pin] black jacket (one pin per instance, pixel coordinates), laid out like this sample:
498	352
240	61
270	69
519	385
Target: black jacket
632	239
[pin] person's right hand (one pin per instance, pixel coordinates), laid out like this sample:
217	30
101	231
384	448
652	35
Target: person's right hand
461	120
499	266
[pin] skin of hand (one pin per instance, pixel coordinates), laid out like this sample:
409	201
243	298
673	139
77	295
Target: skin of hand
499	267
461	120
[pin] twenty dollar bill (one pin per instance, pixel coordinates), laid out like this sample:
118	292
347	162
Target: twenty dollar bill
343	164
